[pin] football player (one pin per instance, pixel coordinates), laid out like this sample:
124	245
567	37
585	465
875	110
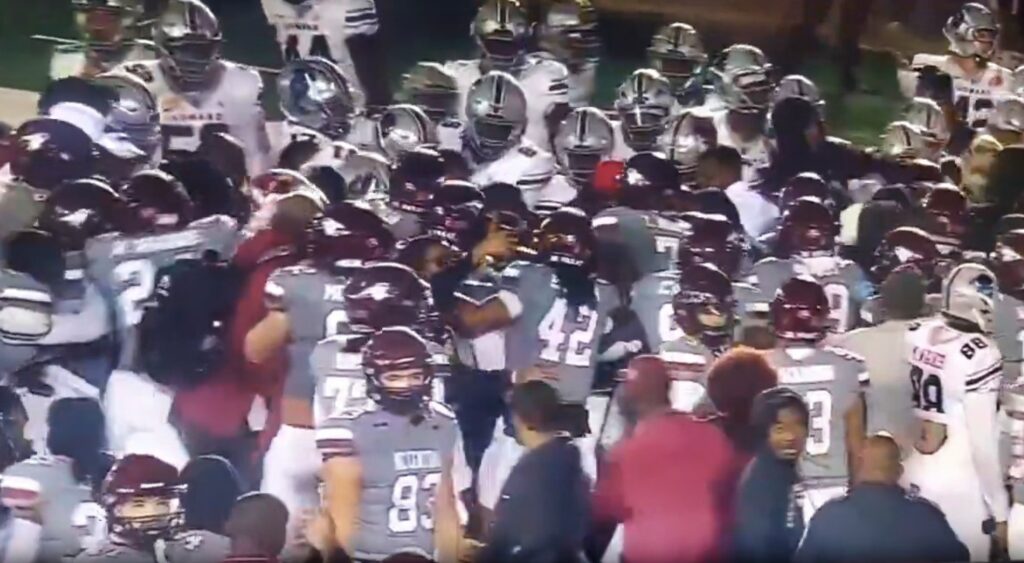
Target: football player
107	29
305	304
798	86
807	245
1007	260
650	184
141	498
414	179
494	144
927	116
502	31
904	247
44	153
946	218
643	103
585	138
387	462
56	489
198	93
433	88
568	34
683	141
830	380
1006	122
678	53
972	32
956	371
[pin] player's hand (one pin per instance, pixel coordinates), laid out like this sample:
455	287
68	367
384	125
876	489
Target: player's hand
1000	536
498	244
318	532
469	548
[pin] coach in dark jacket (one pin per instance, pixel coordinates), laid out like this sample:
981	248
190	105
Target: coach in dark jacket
877	520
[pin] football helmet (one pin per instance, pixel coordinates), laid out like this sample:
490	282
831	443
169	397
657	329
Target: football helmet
1008	262
677	52
798	86
704	307
800	310
104	25
566	239
156	202
905	246
26	308
683	144
80	210
805	184
904	141
367	175
188	39
501	30
927	116
972	31
456	214
403	127
329	244
647	178
433	88
135	478
134	111
947	214
385	294
968	295
414	179
315	94
743	79
390	354
1008	115
644	102
711	239
38	254
277	182
47	152
377	240
495	114
569	32
585	138
504	206
808	230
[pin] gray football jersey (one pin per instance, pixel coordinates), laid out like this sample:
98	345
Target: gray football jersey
844	282
550	331
315	304
112	552
125	268
486	351
15	355
197	546
830	381
70	520
402	465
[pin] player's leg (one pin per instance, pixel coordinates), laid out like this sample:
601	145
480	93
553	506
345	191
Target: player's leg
289	472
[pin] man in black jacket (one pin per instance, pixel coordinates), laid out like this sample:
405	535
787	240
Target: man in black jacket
879	521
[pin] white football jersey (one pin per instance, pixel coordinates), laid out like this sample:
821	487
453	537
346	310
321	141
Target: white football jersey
72	61
232	106
544	81
975	97
558	192
756	154
946	365
525	165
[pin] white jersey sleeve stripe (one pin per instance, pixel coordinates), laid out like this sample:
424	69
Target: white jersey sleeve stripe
977	382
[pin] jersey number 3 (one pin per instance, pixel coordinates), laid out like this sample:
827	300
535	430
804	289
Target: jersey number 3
405	515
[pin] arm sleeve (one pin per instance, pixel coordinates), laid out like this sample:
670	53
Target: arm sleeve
89	324
982	427
607	502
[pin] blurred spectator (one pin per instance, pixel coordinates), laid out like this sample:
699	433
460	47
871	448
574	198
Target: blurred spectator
734	381
671	483
877	520
769	518
543	512
13	419
256	529
722	167
903	300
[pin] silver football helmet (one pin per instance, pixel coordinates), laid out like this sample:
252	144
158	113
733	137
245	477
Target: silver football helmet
188	38
585	138
432	87
643	103
798	86
972	31
495	114
1008	115
502	31
104	25
683	145
26	308
743	79
677	52
134	112
903	140
968	294
403	127
366	178
315	94
569	32
927	117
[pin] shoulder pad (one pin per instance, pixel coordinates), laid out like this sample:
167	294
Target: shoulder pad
844	353
460	64
550	66
139	69
922	60
838	141
354	409
441	410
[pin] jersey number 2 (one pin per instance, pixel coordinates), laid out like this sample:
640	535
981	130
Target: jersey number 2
580	346
137	279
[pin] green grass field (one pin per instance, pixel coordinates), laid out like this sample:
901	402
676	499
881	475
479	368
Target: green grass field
438	30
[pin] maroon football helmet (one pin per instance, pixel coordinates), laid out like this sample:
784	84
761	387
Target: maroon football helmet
80	210
800	310
704	306
366	224
157	202
712	240
385	294
504	207
397	349
565	238
947	214
136	477
456	214
805	184
330	244
905	246
1008	262
808	229
47	152
414	179
647	179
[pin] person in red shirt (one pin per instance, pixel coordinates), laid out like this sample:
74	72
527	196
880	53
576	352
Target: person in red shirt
672	482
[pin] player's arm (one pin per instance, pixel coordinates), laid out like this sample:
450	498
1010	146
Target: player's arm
469	318
271	334
366	47
342	474
981	392
447	532
856	421
87	325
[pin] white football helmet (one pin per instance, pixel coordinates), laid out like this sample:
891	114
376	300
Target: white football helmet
643	103
1008	115
569	32
26	308
677	52
683	145
972	31
495	114
743	79
903	140
315	94
134	113
968	294
432	87
501	31
403	127
585	138
798	86
188	38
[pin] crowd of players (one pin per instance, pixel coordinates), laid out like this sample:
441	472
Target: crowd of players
331	310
